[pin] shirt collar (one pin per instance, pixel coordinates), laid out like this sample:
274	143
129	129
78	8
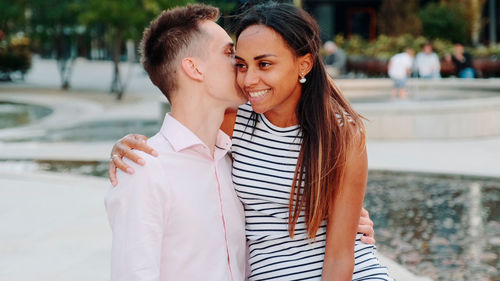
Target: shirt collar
182	138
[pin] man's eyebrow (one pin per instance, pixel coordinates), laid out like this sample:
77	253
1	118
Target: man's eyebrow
257	57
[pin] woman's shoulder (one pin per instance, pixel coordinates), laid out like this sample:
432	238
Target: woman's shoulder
244	111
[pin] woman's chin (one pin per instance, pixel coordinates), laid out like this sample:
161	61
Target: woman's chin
257	109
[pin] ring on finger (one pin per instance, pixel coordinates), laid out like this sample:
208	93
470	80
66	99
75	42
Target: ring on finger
113	156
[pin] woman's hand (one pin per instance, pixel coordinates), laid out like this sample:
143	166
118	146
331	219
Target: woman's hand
366	227
123	148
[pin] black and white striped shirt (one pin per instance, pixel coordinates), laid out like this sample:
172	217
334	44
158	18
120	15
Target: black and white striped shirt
264	163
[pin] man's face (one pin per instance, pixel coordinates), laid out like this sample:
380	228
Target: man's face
459	49
427	49
220	74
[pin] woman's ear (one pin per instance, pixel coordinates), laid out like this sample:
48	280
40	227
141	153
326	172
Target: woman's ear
191	69
305	63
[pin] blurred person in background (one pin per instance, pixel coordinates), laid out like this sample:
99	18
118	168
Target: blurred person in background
335	59
463	62
427	63
399	69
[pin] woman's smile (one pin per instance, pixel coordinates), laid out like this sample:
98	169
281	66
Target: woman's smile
255	96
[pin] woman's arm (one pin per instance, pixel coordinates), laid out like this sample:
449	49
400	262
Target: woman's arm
344	216
124	147
227	125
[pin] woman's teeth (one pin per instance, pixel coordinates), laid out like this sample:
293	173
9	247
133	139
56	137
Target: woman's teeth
258	94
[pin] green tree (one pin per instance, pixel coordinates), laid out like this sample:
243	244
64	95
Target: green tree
438	19
53	24
472	12
398	17
12	16
124	19
226	7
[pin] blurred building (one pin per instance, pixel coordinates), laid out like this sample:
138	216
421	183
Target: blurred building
360	17
345	16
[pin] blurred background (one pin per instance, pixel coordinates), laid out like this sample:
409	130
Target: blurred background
71	85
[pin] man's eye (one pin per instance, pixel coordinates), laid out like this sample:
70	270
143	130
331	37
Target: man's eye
230	53
240	66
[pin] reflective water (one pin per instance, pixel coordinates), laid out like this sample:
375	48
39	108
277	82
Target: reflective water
103	130
447	228
17	114
87	168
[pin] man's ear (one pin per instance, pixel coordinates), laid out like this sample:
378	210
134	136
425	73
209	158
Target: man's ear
191	69
305	63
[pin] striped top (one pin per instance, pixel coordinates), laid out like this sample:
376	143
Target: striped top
264	163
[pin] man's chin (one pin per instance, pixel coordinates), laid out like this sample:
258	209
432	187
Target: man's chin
242	99
237	104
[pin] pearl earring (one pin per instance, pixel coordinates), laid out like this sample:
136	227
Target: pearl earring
302	79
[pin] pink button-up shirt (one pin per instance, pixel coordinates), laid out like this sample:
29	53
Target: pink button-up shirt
178	217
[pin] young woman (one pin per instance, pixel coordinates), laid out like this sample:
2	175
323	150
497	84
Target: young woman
299	158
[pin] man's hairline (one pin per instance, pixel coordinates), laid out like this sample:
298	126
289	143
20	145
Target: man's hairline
195	43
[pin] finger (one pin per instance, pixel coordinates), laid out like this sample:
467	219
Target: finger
139	142
130	154
365	221
364	213
121	165
143	146
368	240
112	173
366	230
140	137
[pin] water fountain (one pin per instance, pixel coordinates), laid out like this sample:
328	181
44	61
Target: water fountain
433	110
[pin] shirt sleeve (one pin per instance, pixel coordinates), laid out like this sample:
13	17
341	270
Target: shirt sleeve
437	63
137	217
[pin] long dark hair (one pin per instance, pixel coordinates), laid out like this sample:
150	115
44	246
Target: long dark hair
329	125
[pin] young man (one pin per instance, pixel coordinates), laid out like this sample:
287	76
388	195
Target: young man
427	63
178	217
335	59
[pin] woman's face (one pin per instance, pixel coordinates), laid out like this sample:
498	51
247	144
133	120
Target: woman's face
268	71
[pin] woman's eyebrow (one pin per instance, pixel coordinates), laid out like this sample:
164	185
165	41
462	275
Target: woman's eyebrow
263	56
257	57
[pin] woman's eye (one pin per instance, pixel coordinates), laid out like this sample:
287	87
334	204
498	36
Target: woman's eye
264	64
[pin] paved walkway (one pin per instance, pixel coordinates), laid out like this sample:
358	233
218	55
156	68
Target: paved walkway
54	226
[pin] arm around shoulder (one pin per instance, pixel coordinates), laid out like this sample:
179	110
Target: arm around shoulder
227	125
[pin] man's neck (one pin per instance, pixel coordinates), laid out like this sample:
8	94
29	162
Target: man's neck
200	118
